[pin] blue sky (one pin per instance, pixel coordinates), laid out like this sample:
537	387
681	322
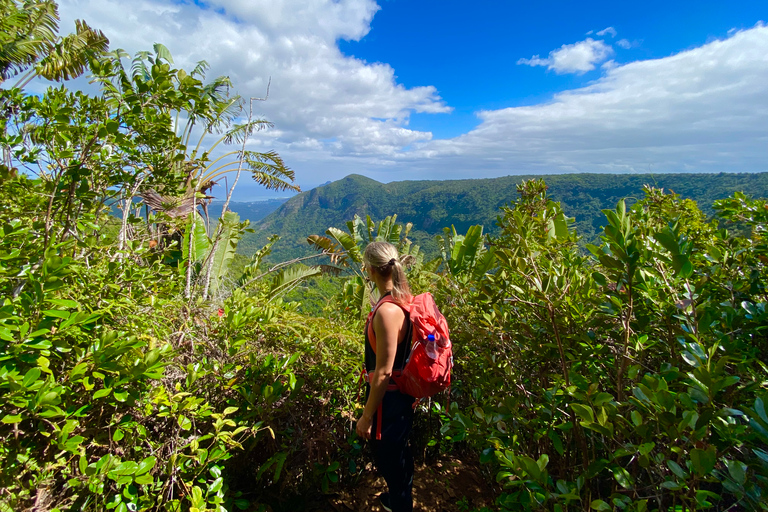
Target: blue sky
427	89
469	53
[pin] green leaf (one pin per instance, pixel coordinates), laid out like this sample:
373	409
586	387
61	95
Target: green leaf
556	442
561	227
676	469
197	497
737	470
701	498
530	467
12	418
600	506
121	396
230	234
185	423
30	377
703	460
201	244
102	393
760	409
347	242
66	303
73	443
602	398
668	241
640	395
583	411
162	52
599	279
287	279
126	468
623	478
216	485
761	454
56	313
646	448
144	479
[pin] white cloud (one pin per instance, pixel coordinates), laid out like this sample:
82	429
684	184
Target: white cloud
703	110
345	105
573	58
624	43
607	30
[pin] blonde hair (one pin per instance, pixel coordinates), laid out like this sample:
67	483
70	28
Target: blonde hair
384	259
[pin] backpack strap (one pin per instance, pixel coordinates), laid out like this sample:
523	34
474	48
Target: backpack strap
369	323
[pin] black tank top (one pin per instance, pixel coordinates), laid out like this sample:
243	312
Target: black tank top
403	348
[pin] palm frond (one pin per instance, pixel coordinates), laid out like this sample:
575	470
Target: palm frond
218	88
240	132
70	56
289	278
173	206
251	270
269	171
139	67
200	68
224	112
26	34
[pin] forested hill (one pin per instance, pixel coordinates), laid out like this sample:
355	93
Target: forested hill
433	205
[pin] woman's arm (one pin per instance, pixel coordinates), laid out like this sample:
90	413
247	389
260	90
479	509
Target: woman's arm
387	326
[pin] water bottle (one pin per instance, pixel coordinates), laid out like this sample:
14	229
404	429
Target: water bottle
430	346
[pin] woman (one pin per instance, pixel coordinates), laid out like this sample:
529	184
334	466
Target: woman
388	415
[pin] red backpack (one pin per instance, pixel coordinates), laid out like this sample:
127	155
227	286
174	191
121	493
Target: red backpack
428	368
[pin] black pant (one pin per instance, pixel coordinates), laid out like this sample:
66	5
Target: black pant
392	453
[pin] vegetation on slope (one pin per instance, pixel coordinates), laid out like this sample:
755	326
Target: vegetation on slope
434	205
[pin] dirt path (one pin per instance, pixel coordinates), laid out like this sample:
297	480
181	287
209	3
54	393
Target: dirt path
446	486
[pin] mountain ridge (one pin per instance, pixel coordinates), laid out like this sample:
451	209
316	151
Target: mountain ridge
432	205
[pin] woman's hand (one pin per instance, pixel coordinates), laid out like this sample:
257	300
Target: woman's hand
364	427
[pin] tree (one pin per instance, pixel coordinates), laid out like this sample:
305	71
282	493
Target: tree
29	39
346	249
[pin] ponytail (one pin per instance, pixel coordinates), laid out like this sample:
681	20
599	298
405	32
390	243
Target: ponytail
384	259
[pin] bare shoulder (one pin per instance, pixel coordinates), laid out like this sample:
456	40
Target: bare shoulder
390	313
